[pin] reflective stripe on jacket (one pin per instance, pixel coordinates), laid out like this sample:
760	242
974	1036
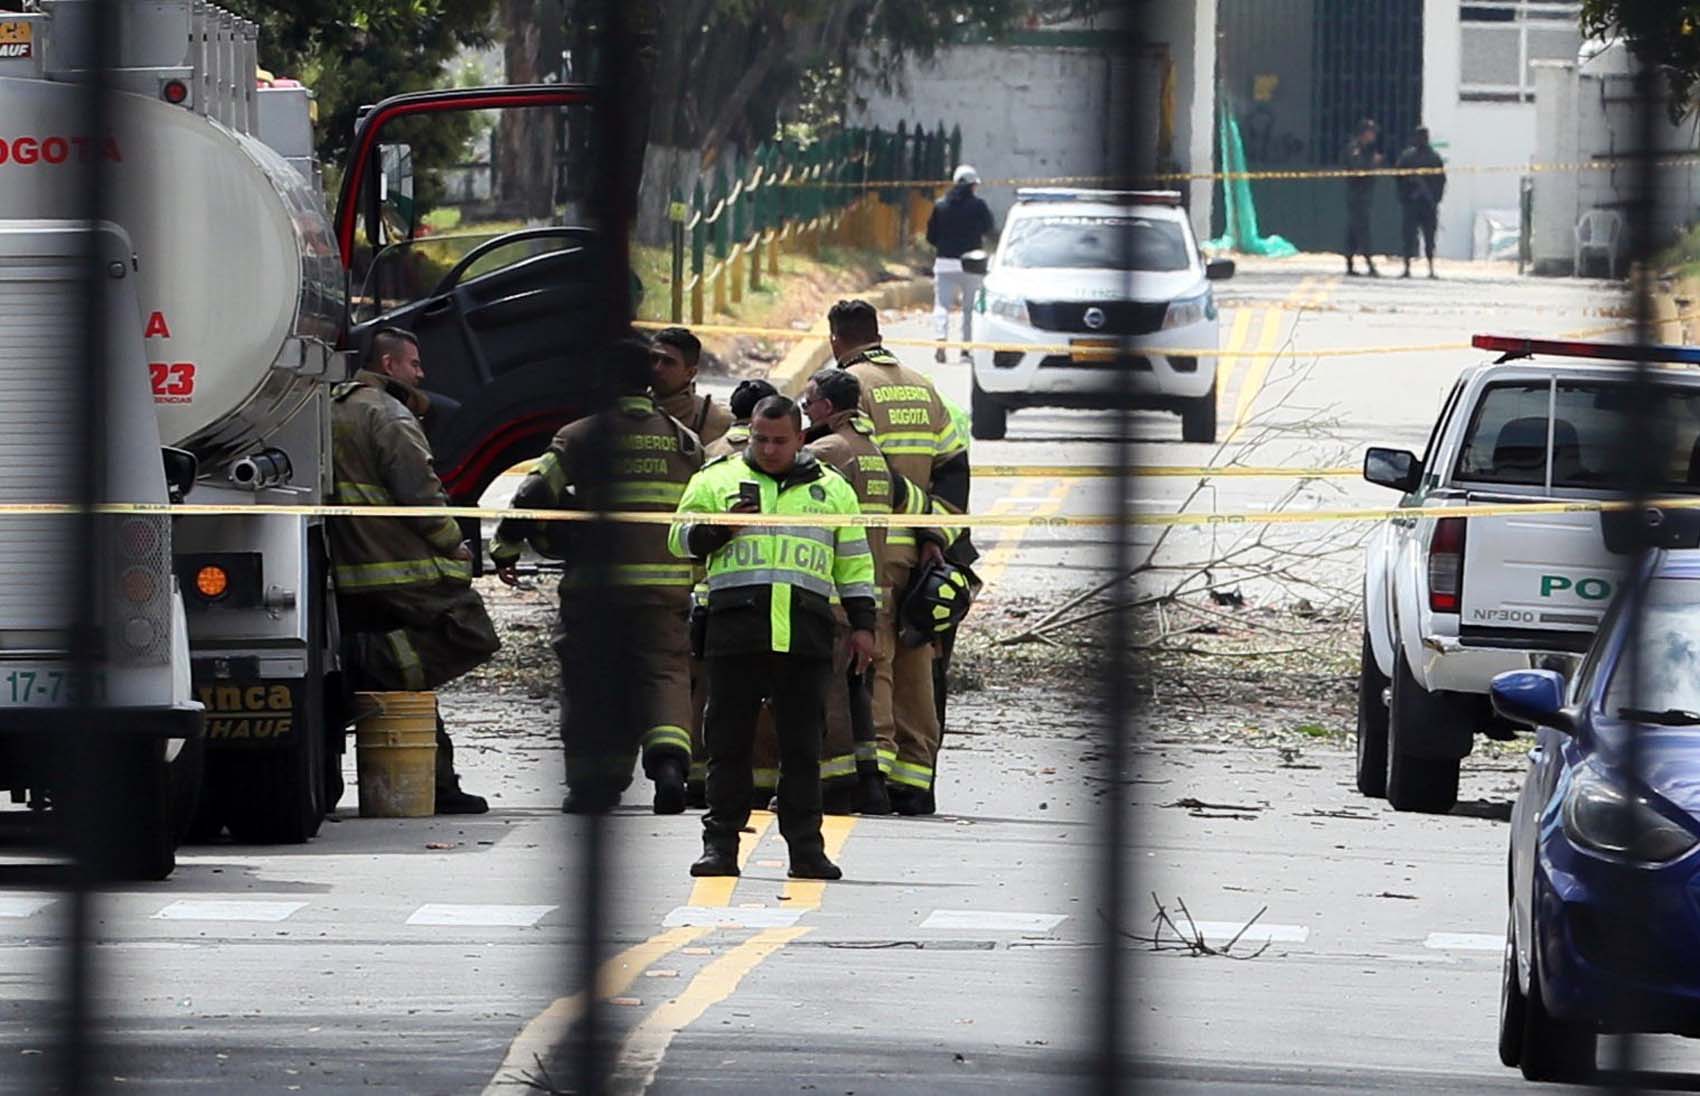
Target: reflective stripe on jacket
770	587
381	458
912	426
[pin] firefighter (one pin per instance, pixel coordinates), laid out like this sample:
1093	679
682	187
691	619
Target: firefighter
736	439
742	404
675	353
628	457
410	618
842	436
914	430
770	631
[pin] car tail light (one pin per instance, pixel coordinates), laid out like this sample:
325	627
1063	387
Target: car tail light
1446	565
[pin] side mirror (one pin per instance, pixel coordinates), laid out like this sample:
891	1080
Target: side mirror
1534	698
1395	468
401	219
1218	270
181	468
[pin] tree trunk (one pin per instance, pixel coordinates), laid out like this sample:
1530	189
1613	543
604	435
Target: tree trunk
525	140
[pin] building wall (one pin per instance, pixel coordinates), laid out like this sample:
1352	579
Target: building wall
1041	106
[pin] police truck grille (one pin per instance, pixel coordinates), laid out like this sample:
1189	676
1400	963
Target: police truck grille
1120	317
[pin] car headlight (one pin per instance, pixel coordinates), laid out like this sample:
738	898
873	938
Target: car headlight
1013	309
1190	310
1601	815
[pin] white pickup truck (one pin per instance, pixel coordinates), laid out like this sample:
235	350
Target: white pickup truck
1449	602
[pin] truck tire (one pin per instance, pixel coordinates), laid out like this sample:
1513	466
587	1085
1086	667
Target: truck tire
276	797
1427	785
988	419
1198	418
1512	1005
187	772
119	816
1552	1050
1372	725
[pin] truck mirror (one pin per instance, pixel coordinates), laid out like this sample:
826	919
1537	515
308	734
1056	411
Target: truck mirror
1218	270
181	468
399	210
1395	468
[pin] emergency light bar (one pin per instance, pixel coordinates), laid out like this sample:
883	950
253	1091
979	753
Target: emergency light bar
1515	346
1105	197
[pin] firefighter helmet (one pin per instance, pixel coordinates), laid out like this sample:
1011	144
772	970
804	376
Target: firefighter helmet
937	599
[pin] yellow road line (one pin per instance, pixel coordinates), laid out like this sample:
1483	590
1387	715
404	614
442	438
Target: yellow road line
717	890
806	894
1310	291
640	1058
992	566
550	1027
1236	340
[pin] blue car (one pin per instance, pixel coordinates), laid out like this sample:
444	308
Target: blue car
1604	928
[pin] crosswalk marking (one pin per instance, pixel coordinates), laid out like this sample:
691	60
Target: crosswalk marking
993	920
1465	941
1220	932
227	909
765	917
485	916
22	905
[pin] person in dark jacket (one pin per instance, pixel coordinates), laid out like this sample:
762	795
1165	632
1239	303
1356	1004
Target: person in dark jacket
960	223
1360	155
1419	197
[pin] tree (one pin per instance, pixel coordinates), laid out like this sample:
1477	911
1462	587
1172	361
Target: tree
353	53
1662	34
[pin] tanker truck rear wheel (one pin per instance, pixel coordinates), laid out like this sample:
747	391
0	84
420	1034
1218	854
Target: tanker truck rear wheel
276	797
118	813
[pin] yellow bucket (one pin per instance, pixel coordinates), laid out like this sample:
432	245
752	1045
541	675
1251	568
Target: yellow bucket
396	744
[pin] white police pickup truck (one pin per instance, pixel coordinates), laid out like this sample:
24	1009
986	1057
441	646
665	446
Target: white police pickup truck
1077	273
1449	602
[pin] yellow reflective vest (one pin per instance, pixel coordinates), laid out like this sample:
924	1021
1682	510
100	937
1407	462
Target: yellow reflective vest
770	587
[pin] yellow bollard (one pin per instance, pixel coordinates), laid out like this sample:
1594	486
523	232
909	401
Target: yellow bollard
737	261
396	747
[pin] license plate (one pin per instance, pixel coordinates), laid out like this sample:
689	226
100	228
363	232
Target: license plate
1094	351
37	686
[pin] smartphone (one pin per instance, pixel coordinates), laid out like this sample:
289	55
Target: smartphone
749	493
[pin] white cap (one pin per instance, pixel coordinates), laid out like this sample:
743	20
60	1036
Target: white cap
967	174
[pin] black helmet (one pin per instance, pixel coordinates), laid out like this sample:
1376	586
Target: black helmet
937	599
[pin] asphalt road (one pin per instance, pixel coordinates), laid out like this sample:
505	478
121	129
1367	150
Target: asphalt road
959	954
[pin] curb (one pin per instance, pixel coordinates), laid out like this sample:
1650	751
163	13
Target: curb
813	351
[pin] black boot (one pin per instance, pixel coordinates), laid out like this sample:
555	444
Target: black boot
761	799
451	800
669	780
871	796
696	796
585	801
929	805
716	861
812	864
838	798
906	800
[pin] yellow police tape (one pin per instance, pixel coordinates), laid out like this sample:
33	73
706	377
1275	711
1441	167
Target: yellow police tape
1604	163
1108	348
871	521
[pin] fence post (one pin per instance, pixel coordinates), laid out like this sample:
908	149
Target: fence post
721	215
758	213
676	213
776	211
698	233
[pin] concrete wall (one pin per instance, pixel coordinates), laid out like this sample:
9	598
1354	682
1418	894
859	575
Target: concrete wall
1468	132
1034	109
1590	112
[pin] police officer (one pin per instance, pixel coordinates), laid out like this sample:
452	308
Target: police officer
675	353
742	404
842	436
770	630
915	432
628	457
410	618
1419	198
959	223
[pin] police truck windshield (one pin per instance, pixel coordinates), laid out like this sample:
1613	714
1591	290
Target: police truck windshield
1096	243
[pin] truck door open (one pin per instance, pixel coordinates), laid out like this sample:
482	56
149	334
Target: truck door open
477	250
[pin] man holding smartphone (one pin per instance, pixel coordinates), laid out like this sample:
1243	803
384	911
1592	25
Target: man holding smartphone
770	626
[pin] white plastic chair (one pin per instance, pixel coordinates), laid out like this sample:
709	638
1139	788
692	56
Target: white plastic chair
1598	231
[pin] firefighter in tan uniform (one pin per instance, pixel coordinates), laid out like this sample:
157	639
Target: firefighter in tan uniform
742	405
410	618
675	353
628	457
914	430
842	437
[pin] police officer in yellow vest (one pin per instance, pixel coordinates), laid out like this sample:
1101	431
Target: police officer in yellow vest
913	428
410	619
628	457
770	627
